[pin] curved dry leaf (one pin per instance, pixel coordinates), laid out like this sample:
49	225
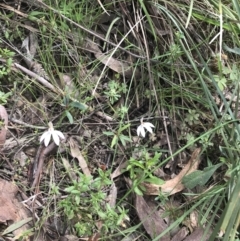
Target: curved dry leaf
181	234
198	235
76	153
175	185
114	64
4	124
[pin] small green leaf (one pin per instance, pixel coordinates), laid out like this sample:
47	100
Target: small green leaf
15	226
234	50
126	138
155	180
77	199
37	13
199	177
69	189
75	191
138	191
114	141
69	116
136	163
123	139
108	133
124	128
78	105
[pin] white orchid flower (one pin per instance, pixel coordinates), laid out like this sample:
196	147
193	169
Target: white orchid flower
56	135
144	125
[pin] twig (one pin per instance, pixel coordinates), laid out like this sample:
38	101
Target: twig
43	154
37	77
26	124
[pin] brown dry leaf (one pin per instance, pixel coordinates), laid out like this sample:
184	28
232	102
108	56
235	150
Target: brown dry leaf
118	170
94	237
112	197
194	219
11	210
68	84
181	234
3	126
175	185
8	192
69	169
116	65
76	153
151	219
21	157
197	235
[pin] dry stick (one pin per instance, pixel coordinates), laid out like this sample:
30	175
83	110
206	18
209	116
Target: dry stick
44	82
32	74
27	125
37	77
41	159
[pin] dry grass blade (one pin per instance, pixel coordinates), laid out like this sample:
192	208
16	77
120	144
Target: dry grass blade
3	126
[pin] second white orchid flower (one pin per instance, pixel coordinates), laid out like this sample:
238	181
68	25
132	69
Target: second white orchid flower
144	125
56	135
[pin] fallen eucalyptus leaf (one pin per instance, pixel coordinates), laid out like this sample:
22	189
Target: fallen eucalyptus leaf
174	185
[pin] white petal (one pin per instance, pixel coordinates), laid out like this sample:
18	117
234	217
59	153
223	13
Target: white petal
47	138
148	126
43	136
60	134
140	130
56	138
